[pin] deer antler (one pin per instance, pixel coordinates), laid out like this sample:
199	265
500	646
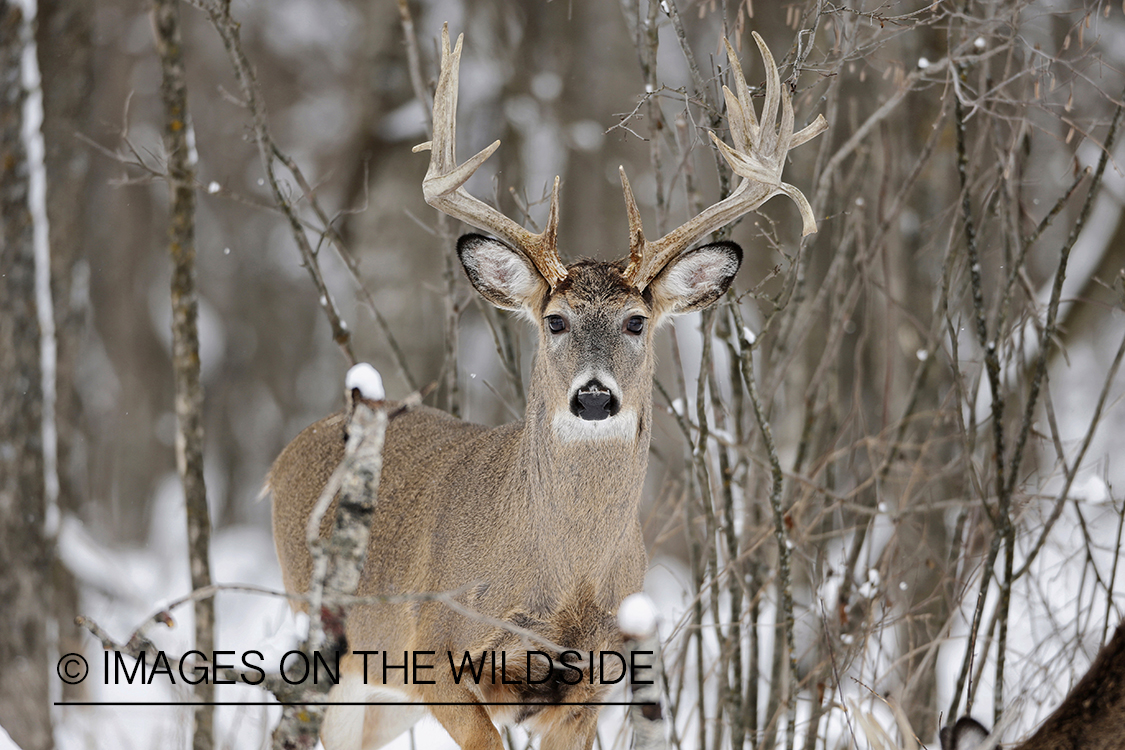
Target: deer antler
758	157
442	185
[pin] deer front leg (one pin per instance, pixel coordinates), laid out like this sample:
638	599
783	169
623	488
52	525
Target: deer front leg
578	735
469	725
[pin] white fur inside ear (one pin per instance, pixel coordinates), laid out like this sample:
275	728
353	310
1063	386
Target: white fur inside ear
695	280
696	274
503	269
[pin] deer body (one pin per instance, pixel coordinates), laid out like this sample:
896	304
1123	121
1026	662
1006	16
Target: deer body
532	526
1091	717
535	521
421	541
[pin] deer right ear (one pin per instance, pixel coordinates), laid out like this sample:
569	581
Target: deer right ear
504	276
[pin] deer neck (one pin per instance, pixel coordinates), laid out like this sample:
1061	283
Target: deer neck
579	494
598	478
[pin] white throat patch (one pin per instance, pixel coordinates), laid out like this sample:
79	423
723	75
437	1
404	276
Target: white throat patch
571	429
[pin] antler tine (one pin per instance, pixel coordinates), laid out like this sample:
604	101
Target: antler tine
758	157
443	184
636	229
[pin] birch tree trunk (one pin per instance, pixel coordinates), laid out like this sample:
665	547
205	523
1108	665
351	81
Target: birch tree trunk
25	556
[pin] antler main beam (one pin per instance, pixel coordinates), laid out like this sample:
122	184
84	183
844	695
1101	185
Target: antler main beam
443	184
758	157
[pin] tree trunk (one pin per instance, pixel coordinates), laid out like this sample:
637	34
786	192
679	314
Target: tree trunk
25	558
63	41
185	340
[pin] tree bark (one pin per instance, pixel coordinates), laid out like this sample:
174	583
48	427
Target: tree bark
63	40
25	556
185	339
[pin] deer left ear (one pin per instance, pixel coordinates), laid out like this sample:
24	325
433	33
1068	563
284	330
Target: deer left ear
694	280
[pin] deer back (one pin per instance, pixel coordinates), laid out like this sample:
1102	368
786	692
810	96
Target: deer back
1092	717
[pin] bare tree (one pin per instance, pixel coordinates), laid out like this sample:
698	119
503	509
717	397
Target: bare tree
185	340
25	554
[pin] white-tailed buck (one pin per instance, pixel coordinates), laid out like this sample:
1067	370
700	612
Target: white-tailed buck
1092	717
533	523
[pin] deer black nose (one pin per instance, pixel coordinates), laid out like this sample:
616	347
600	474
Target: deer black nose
594	402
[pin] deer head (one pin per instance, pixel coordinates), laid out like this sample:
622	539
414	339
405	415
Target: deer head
595	320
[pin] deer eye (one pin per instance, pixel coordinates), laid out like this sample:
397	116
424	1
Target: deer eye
556	324
635	325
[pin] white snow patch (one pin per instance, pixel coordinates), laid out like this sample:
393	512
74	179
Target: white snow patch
367	379
291	631
6	742
1091	489
637	616
870	588
724	437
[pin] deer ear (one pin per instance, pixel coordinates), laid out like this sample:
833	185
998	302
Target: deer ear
695	279
502	275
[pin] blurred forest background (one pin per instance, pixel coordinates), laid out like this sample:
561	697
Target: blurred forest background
938	365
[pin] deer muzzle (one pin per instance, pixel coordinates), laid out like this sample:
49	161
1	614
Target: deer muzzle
594	402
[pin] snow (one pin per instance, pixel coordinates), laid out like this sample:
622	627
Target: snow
723	436
291	631
870	588
367	379
1091	489
122	586
6	742
637	616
